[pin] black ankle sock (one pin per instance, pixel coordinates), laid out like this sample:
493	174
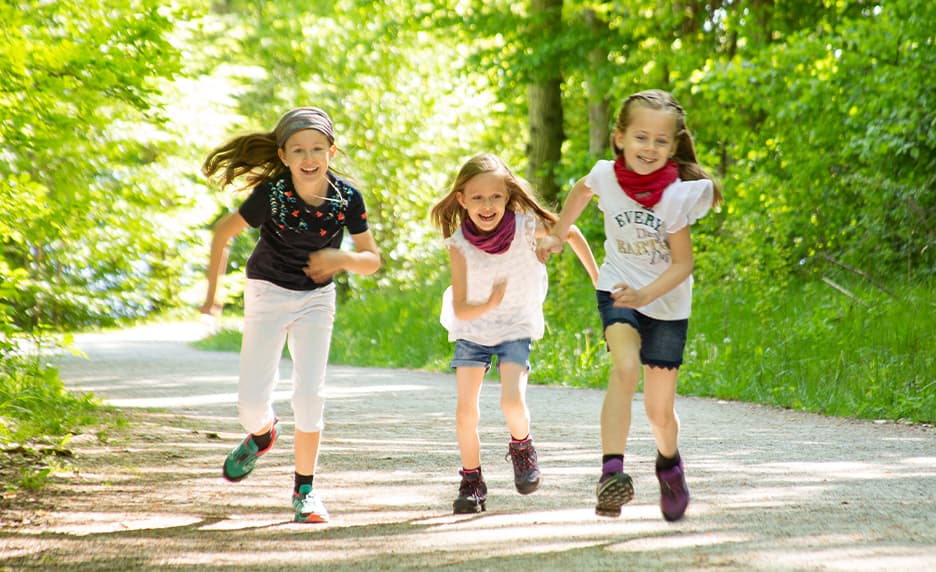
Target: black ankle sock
664	463
477	470
606	458
263	441
303	480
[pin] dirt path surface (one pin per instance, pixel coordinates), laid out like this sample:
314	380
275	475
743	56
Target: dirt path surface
772	489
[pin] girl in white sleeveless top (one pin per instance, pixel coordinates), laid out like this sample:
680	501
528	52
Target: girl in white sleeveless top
650	195
494	307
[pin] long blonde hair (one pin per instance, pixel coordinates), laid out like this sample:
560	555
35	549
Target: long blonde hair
448	214
685	157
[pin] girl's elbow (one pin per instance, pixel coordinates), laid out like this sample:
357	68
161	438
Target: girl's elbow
377	263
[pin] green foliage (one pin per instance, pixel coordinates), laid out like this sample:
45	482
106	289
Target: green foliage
816	349
393	328
33	402
841	162
80	180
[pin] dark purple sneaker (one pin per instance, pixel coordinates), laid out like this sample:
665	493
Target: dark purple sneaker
526	471
614	490
674	492
472	493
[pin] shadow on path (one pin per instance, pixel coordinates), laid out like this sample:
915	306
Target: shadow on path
772	489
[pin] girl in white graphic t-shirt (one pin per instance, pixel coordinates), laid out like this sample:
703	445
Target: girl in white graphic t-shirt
650	195
494	307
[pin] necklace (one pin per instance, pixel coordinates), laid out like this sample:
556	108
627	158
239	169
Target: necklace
341	200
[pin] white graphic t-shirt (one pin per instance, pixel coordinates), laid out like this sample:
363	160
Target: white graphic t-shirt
636	247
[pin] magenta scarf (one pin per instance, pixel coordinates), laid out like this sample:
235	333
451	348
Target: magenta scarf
645	189
496	242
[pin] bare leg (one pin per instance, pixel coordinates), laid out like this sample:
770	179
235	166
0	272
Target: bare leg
513	398
306	446
624	342
659	401
468	414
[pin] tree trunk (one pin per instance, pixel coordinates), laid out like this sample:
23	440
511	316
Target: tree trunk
544	95
599	106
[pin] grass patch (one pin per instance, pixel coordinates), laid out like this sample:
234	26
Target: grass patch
38	416
812	348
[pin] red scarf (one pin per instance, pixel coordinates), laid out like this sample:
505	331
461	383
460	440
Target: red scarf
495	242
645	189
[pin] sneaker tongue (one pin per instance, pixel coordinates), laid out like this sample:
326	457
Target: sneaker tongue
305	489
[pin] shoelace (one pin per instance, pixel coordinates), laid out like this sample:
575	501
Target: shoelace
469	488
523	458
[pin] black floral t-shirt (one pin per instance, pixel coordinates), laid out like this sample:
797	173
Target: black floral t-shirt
291	229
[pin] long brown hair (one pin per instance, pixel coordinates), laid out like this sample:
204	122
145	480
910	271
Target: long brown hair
685	156
256	154
448	214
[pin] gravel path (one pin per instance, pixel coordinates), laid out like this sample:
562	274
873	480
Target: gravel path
772	489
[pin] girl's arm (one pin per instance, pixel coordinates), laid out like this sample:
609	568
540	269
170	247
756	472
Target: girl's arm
325	263
575	203
225	229
463	309
579	246
581	249
680	268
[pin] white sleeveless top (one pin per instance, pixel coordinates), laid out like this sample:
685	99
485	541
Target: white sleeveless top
636	247
520	314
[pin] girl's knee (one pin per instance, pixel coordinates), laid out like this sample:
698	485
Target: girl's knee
309	411
467	416
625	376
660	416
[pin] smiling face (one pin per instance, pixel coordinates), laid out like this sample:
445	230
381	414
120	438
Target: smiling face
649	140
485	198
307	153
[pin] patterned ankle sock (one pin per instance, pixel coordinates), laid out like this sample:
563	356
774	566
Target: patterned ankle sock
515	440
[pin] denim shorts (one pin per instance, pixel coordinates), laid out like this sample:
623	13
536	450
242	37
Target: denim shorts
470	354
661	341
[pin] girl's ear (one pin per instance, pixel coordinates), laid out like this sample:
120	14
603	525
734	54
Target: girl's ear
281	155
331	151
460	198
619	139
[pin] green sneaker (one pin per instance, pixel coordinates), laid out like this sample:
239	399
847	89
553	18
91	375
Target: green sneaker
308	506
240	462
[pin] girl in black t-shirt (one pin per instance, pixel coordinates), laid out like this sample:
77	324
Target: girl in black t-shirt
302	209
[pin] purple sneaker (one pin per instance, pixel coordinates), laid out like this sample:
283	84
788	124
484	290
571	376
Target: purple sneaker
614	490
674	492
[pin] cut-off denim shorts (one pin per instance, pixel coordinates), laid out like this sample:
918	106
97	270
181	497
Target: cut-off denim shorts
661	341
470	354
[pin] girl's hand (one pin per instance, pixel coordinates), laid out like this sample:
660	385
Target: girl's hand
497	293
325	263
211	308
547	245
626	297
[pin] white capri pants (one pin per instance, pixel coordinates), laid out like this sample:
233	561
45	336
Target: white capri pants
272	316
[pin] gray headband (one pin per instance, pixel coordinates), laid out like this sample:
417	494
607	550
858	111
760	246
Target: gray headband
303	118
